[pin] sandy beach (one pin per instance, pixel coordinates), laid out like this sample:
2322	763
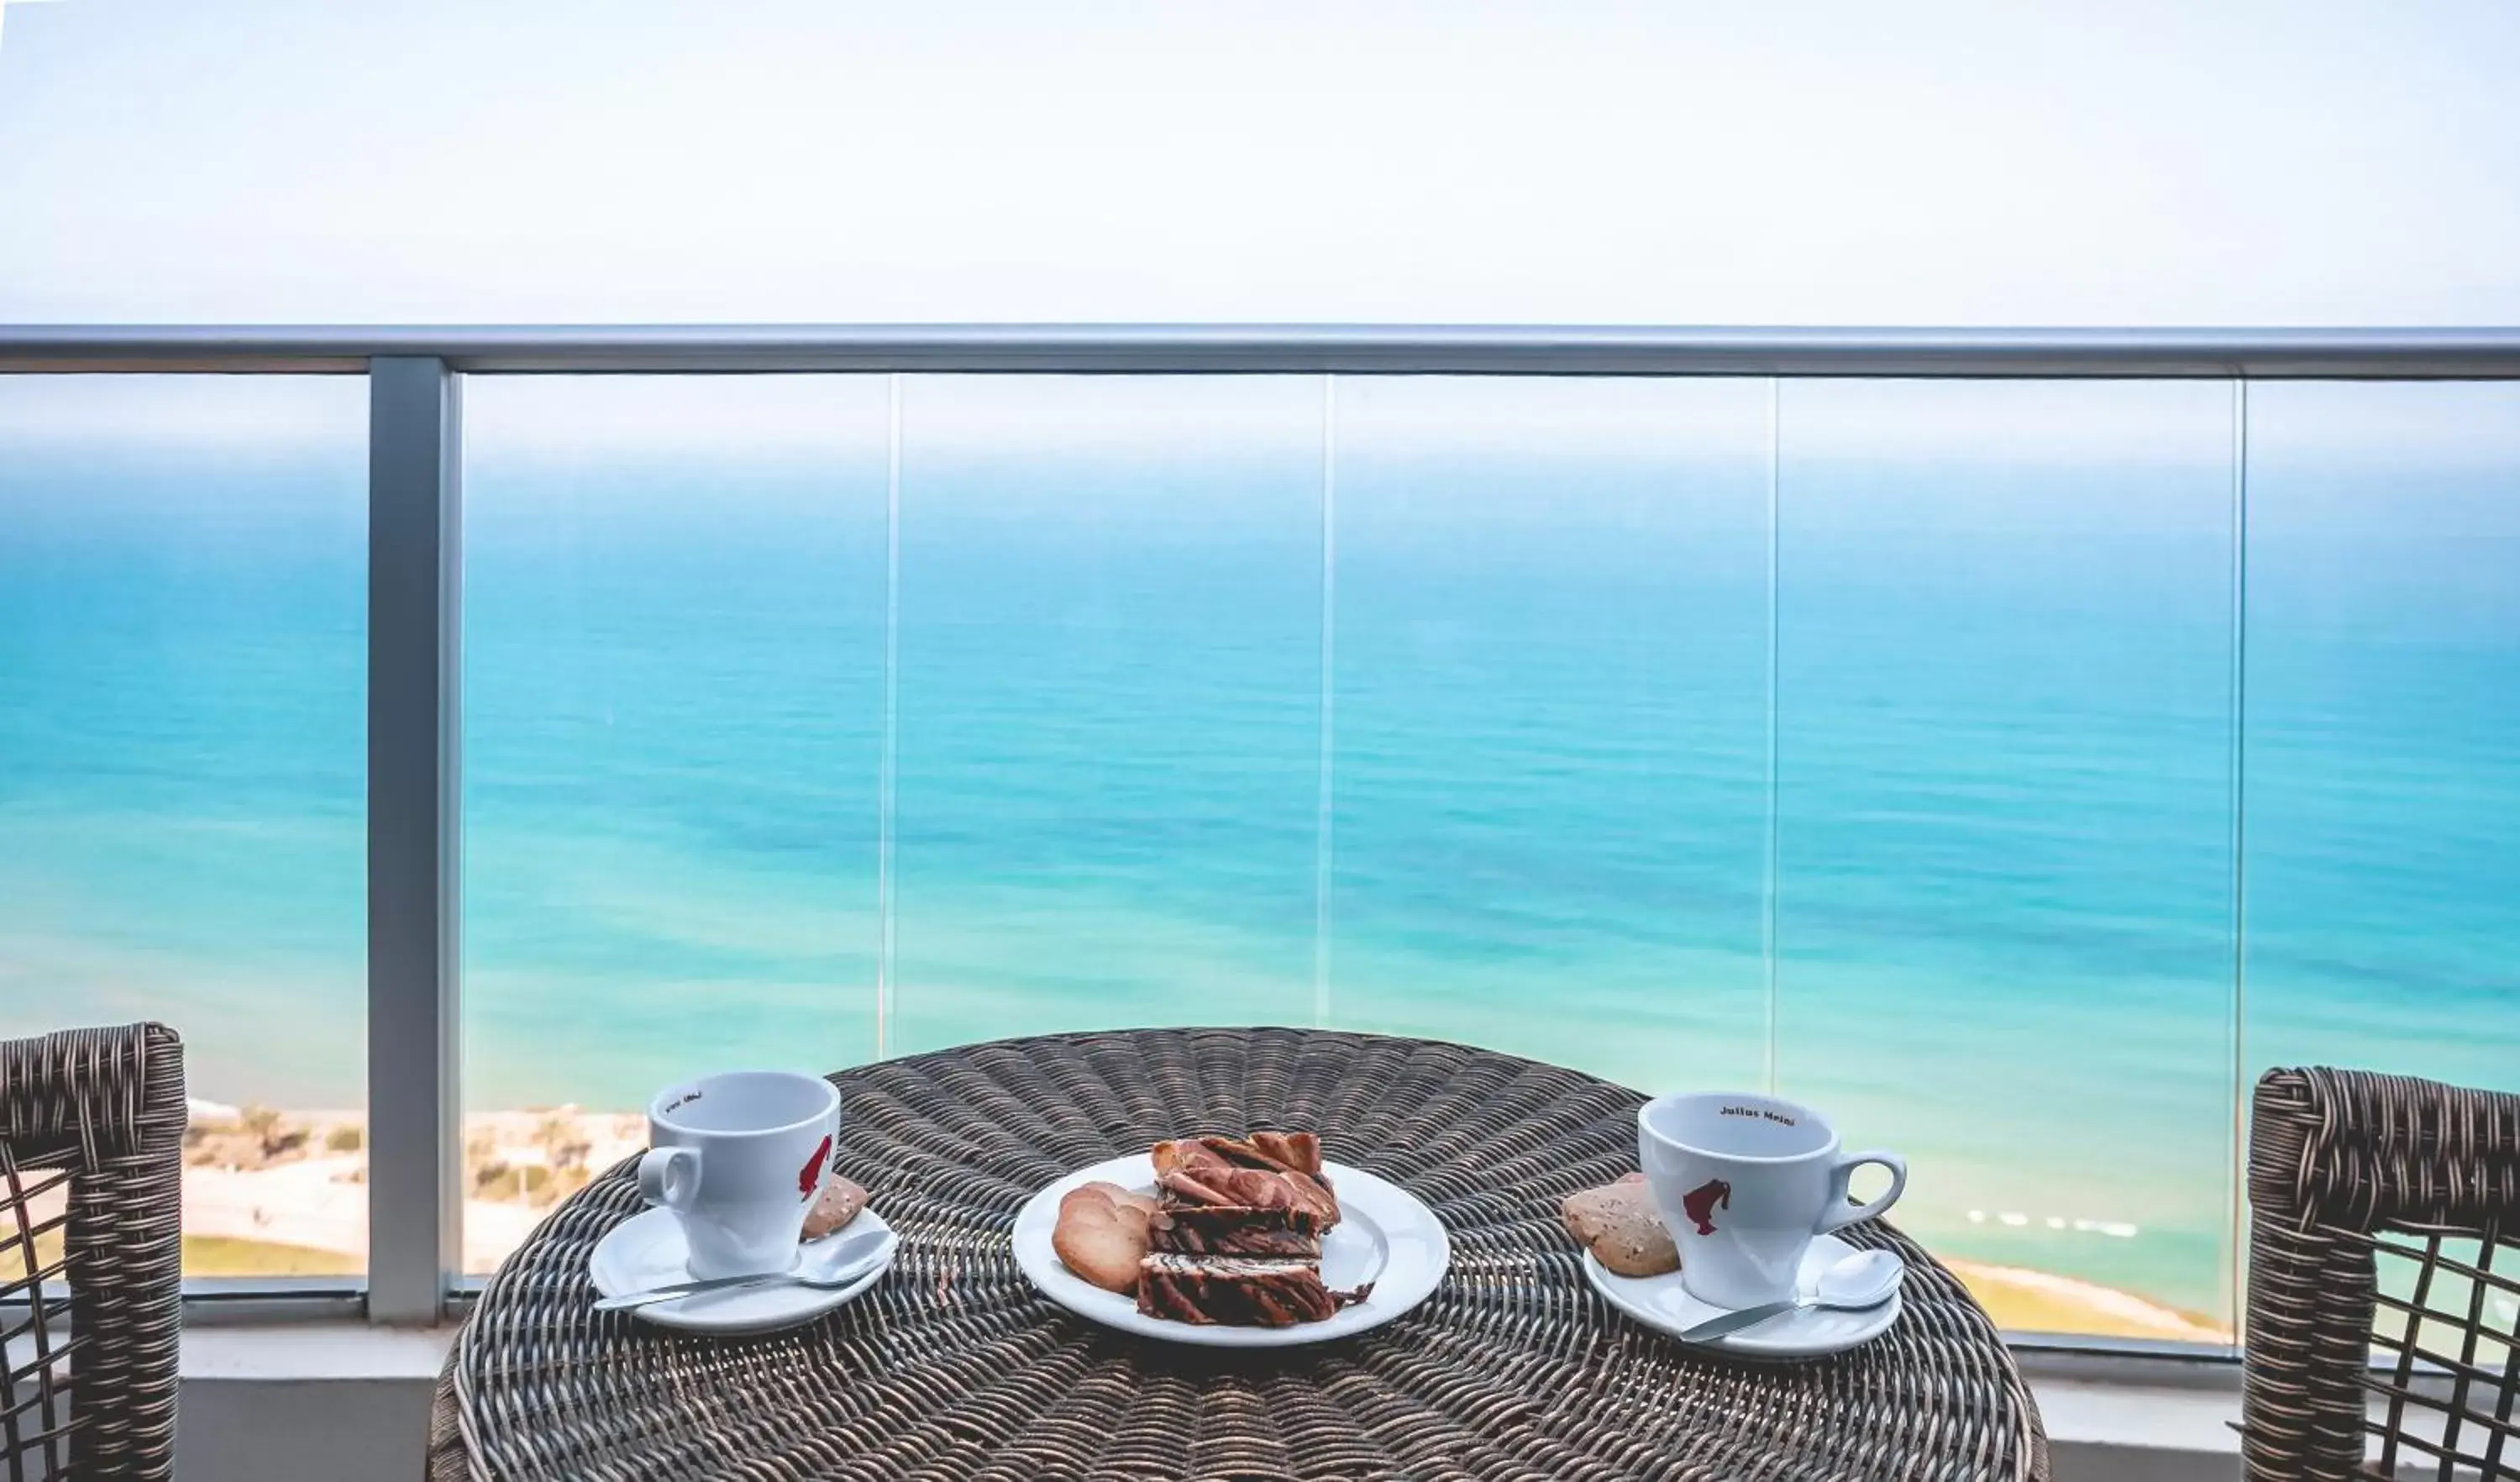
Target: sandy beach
2022	1300
519	1164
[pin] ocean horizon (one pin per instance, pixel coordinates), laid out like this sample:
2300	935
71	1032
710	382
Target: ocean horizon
2013	808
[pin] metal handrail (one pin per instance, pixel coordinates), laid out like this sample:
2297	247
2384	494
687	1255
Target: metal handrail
1216	349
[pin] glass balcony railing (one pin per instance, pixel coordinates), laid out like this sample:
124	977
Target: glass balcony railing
2014	766
183	769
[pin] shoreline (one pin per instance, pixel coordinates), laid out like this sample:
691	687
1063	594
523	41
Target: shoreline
2022	1299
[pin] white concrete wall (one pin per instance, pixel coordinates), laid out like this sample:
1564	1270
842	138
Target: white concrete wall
327	1430
304	1402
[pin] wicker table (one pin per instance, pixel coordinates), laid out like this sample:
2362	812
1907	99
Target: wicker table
955	1368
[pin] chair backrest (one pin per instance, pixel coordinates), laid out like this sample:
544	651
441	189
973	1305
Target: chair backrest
91	1230
2376	1307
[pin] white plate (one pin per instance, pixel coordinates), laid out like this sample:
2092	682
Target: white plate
1661	1303
1384	1235
647	1251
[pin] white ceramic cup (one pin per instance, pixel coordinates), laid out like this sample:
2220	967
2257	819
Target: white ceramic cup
1745	1183
737	1159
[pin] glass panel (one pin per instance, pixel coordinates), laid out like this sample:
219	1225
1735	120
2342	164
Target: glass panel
2004	900
1550	742
2383	756
183	773
1109	703
674	648
2384	729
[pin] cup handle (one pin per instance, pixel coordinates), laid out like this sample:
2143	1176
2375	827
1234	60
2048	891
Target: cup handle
1839	1213
669	1177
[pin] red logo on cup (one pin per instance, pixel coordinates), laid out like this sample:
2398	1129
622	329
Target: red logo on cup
810	1177
1701	1202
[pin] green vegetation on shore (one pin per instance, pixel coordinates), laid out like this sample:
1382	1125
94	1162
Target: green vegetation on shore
225	1256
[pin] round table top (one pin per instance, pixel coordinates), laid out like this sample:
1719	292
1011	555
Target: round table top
954	1367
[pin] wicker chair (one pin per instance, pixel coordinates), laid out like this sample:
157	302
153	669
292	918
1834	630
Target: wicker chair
2383	1204
91	1192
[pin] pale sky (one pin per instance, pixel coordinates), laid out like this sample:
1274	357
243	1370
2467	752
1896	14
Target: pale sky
1832	162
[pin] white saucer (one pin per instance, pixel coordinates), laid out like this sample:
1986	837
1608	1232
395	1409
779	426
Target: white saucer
647	1251
1661	1303
1384	1235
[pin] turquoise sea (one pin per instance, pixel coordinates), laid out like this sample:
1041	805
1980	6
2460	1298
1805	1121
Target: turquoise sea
2020	770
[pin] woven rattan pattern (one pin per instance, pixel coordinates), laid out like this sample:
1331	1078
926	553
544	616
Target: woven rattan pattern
95	1115
956	1369
2384	1205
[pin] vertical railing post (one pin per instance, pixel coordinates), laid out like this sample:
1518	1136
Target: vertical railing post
2243	1095
1771	869
887	884
1326	813
414	686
